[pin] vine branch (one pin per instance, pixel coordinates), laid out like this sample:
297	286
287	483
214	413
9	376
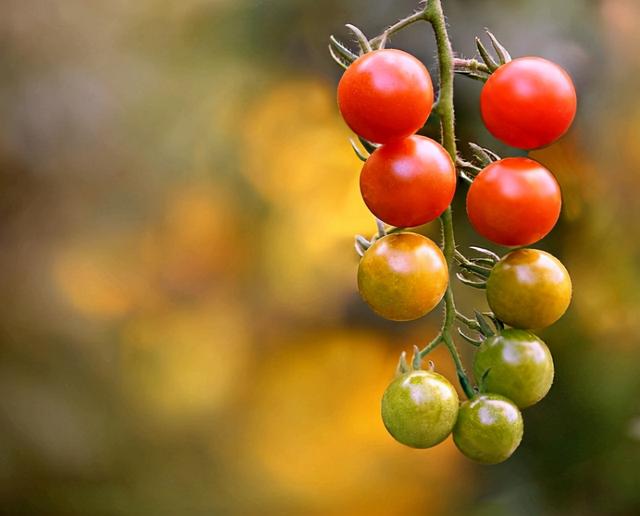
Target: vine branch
379	41
434	15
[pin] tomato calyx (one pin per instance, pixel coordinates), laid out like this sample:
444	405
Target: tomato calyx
475	271
482	69
362	243
481	157
403	366
481	325
341	53
363	41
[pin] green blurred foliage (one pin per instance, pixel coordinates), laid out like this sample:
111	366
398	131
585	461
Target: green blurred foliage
179	327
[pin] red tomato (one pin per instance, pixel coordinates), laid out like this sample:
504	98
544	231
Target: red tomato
528	103
409	182
514	202
385	95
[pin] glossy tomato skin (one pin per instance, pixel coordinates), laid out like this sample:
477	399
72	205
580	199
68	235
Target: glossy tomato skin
514	202
385	95
419	409
403	276
528	103
529	289
489	428
515	364
409	182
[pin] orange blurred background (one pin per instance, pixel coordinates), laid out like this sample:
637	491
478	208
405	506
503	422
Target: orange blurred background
180	331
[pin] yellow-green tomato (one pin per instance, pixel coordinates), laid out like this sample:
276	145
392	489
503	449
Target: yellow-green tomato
529	289
403	276
489	428
515	364
420	408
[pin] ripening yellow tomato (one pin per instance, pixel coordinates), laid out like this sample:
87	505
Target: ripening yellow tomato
403	276
529	289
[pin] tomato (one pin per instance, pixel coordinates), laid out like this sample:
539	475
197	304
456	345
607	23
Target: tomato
528	103
515	364
489	428
385	95
529	289
419	409
409	182
403	276
514	202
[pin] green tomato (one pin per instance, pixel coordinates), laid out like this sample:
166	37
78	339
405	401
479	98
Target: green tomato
515	364
419	409
529	289
489	428
403	276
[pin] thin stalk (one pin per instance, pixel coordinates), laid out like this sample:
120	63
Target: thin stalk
435	16
419	356
470	66
462	376
405	22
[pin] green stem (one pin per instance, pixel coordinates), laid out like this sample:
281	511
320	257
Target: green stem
471	66
405	22
462	376
435	16
445	109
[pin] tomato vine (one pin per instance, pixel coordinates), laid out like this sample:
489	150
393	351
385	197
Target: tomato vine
407	180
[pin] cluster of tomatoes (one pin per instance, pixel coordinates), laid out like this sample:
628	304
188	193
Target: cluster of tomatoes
386	97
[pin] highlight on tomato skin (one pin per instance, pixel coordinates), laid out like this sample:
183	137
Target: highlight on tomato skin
528	103
408	183
514	202
403	276
385	95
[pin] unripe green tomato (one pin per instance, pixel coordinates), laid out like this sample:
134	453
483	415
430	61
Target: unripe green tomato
489	428
529	289
515	364
403	276
420	408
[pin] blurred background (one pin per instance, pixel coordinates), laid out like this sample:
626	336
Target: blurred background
180	332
